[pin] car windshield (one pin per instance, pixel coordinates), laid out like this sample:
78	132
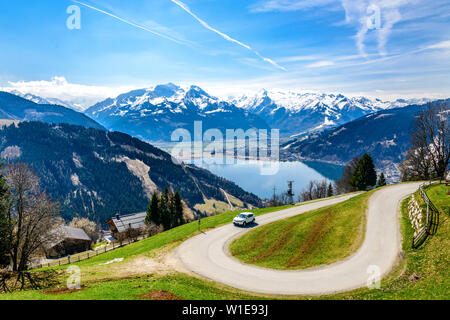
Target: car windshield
242	216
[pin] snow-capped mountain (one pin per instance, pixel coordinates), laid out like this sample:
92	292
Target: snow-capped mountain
41	100
385	135
154	113
296	113
13	107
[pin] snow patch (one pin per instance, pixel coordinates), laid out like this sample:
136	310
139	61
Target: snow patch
140	170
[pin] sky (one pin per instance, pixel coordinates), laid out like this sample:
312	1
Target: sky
387	49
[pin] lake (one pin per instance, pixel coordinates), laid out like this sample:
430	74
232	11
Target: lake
248	174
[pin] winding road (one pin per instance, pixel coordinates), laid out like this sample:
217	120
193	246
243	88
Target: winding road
207	254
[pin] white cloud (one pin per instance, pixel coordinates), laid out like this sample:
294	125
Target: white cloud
80	95
288	5
440	45
320	64
298	58
225	36
357	13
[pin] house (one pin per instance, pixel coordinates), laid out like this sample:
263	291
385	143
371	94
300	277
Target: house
119	224
69	241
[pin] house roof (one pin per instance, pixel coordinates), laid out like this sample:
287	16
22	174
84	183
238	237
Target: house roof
63	232
130	221
74	233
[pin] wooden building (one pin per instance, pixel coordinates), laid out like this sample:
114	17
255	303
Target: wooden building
120	224
70	241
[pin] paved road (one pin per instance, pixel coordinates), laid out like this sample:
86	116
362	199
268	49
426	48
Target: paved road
206	254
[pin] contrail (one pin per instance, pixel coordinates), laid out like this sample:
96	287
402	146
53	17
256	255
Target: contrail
129	22
226	37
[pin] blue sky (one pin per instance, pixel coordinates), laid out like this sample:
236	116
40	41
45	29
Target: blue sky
228	46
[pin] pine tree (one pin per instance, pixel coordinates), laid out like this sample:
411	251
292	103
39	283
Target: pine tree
5	223
164	210
381	180
153	213
178	209
364	175
330	191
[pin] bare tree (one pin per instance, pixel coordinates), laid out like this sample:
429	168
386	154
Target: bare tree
429	154
88	226
343	185
33	214
314	190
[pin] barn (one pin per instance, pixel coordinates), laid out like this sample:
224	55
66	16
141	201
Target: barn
121	223
70	241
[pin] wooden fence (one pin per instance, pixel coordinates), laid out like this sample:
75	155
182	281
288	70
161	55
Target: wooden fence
84	255
431	221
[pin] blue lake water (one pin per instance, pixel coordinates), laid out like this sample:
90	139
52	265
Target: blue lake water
252	175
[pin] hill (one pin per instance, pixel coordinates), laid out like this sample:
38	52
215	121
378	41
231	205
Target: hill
13	107
97	174
146	268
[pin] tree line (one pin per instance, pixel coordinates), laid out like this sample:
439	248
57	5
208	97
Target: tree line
358	175
165	211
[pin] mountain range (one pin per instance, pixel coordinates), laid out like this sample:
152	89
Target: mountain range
296	114
41	100
384	134
153	114
13	107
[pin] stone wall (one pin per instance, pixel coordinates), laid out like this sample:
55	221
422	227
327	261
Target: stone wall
416	216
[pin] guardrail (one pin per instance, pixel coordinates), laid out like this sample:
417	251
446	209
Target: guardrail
432	219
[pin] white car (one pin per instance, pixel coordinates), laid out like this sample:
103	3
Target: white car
244	219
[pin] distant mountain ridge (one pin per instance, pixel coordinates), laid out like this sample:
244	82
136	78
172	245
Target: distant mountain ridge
384	134
298	113
153	114
13	107
42	100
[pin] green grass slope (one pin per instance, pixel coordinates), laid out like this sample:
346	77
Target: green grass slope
422	273
319	237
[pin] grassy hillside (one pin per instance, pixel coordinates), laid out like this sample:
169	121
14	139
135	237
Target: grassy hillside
319	237
439	194
95	174
420	274
141	270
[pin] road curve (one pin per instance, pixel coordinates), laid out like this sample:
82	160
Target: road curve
206	254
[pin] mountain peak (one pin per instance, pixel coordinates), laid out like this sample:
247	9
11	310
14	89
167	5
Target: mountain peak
166	90
196	92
